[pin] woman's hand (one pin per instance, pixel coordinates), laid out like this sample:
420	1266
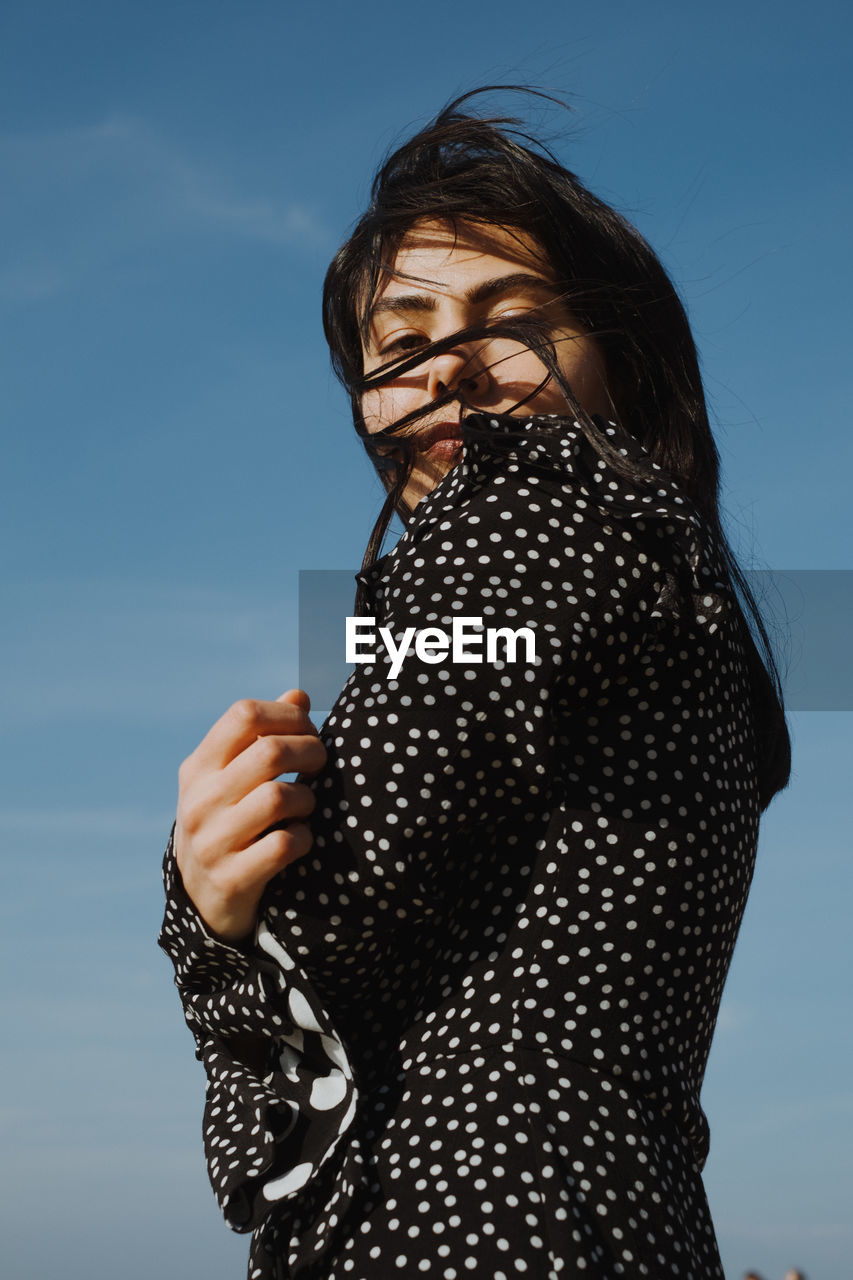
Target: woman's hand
228	797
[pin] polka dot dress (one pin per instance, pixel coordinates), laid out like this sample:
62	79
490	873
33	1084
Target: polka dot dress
470	1034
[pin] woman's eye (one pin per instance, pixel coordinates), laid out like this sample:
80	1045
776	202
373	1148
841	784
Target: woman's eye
510	313
401	343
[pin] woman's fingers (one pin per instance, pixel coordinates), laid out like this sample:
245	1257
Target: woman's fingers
225	819
299	698
276	850
235	883
262	808
243	722
238	823
266	758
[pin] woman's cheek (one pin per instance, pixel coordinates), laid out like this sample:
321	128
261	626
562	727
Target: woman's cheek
381	408
369	409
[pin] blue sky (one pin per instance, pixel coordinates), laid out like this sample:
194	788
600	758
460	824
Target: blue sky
176	178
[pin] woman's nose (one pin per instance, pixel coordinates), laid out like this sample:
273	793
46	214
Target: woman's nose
457	370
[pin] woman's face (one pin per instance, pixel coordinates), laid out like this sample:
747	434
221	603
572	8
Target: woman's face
449	281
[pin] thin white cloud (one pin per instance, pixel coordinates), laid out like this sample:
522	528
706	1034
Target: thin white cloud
86	196
185	188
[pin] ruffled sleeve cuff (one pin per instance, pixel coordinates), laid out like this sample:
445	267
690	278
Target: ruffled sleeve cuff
280	1089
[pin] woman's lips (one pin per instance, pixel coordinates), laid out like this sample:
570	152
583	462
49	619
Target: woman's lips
442	441
449	447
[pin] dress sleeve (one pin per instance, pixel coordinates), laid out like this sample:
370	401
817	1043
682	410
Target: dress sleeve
274	1064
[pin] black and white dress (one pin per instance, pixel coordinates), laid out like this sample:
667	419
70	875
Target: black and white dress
470	1035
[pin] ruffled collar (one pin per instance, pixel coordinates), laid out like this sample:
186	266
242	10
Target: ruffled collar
549	444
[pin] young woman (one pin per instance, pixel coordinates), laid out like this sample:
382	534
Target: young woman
468	1033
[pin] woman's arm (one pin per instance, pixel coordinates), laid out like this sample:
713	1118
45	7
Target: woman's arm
271	1058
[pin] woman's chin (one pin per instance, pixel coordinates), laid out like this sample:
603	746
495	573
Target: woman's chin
430	470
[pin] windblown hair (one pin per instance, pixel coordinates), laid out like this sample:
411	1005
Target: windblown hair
466	170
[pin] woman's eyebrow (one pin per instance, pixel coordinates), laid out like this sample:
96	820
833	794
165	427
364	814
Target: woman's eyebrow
516	282
484	291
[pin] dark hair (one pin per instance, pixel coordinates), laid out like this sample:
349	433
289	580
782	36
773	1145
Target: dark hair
466	169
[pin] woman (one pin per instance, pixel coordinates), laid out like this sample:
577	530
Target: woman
468	1033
